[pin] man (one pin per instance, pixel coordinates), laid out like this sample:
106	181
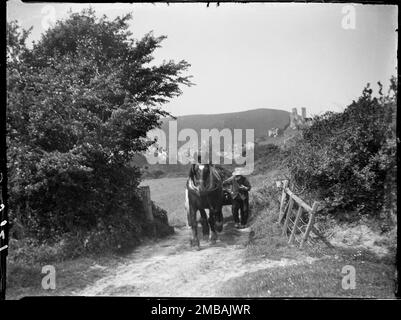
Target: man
240	197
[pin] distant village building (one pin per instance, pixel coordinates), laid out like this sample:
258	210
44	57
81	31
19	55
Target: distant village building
273	132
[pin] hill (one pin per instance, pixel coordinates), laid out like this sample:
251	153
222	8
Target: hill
261	120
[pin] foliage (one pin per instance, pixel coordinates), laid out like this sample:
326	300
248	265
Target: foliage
161	224
80	103
268	157
347	159
267	195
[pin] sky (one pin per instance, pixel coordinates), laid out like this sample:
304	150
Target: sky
256	55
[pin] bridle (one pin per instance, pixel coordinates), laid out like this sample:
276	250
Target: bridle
214	176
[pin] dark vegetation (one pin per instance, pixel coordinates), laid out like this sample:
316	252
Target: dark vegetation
347	160
80	103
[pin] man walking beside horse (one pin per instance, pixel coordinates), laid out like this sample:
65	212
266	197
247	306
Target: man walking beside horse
240	188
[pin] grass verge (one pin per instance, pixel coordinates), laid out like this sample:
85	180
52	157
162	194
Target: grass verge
322	278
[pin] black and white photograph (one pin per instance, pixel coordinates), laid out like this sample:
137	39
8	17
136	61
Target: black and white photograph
199	150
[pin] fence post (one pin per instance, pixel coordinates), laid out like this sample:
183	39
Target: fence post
310	224
147	203
294	228
283	196
289	210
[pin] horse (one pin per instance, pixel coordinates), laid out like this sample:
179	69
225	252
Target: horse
204	190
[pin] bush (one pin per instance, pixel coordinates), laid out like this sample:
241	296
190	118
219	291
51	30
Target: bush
347	160
30	251
159	213
117	236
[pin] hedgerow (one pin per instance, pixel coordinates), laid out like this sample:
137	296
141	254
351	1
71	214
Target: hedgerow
347	160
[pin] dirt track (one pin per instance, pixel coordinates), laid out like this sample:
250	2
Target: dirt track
171	268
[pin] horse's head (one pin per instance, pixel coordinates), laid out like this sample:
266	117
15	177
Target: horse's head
204	178
201	175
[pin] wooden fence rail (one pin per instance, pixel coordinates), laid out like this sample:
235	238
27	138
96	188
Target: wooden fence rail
293	222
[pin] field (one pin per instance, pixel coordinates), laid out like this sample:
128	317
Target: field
168	193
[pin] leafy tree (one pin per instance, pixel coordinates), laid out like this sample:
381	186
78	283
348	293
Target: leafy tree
80	103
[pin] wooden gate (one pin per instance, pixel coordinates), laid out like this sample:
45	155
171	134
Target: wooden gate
297	218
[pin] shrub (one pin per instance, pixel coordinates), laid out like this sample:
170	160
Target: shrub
347	159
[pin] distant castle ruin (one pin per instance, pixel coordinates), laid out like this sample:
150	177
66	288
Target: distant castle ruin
299	121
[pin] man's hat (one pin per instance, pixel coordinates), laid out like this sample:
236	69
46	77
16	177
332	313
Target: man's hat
239	172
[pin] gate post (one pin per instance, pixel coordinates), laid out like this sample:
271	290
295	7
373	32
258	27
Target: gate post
283	196
147	206
147	203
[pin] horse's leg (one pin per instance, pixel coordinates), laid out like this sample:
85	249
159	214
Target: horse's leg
205	224
213	236
219	219
194	226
